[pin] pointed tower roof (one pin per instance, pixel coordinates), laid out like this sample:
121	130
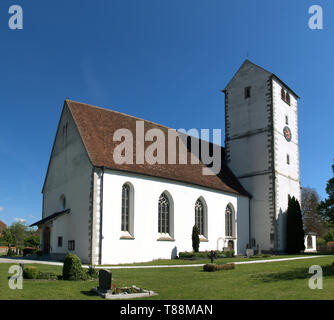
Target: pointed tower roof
270	74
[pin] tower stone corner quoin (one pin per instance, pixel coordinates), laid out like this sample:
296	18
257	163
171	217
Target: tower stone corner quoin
262	150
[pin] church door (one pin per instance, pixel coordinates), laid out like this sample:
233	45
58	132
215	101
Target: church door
231	245
46	240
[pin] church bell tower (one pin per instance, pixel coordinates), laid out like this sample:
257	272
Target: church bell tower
261	142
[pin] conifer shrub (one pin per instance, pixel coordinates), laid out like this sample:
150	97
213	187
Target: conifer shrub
72	268
195	239
294	227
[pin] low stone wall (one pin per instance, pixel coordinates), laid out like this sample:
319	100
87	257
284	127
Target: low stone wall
58	256
325	248
4	249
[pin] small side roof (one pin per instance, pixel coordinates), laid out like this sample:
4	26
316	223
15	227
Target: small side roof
51	217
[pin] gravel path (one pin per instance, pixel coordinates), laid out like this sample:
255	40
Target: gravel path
26	261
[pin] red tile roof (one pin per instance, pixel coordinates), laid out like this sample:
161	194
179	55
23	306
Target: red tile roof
97	126
2	227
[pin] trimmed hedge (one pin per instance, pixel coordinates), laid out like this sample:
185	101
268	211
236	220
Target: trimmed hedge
204	254
72	268
211	267
33	273
27	251
47	275
30	273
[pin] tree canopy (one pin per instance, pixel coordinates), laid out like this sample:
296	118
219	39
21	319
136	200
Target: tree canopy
326	207
20	234
312	221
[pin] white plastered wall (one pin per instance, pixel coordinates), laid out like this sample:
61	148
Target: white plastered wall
145	246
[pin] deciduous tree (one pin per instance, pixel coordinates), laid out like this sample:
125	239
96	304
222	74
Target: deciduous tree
326	207
312	221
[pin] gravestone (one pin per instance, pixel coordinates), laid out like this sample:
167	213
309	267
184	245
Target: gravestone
249	252
105	278
212	255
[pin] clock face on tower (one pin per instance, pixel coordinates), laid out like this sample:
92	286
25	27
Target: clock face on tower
287	133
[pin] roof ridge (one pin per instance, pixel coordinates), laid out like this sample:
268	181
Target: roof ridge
121	113
94	124
134	117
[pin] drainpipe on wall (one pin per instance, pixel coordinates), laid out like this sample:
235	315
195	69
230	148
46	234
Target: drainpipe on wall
101	215
249	223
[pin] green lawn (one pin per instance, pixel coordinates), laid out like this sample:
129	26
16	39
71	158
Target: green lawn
276	280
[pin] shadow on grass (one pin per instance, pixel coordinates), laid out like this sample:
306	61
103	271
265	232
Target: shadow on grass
89	293
297	273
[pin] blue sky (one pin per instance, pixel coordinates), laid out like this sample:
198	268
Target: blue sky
164	61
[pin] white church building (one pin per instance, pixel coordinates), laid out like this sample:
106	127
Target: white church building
110	213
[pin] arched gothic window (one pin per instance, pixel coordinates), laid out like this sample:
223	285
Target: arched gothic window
164	214
229	228
125	207
199	216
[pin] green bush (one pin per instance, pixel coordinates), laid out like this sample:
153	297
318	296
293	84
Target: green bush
72	268
204	254
39	253
329	236
33	273
211	267
186	254
47	275
229	253
321	242
30	273
92	272
27	251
